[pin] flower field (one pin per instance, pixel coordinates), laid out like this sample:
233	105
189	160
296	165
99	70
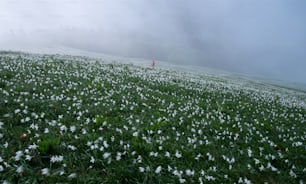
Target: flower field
77	119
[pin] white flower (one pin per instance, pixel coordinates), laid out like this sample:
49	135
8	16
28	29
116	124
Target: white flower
182	180
153	154
271	166
72	128
72	175
1	168
296	144
19	169
256	161
18	155
167	154
92	160
189	172
45	171
209	178
135	134
63	128
141	169
17	111
28	157
71	147
249	152
33	146
56	158
247	181
5	145
106	155
118	156
46	130
169	168
176	173
105	144
6	115
178	155
158	169
200	180
292	174
232	160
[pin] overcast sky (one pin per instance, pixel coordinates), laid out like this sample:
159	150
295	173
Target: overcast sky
262	37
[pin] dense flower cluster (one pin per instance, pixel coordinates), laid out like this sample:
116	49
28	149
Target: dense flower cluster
66	118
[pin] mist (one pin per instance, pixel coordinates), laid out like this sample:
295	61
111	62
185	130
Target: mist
259	37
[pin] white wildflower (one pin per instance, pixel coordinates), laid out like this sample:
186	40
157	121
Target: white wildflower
256	161
105	144
189	172
18	155
135	134
56	158
63	128
292	174
92	159
106	155
158	169
247	181
19	169
72	175
45	171
71	147
33	146
182	180
46	130
118	156
210	178
72	128
271	167
167	154
28	157
178	155
169	168
17	111
141	169
27	119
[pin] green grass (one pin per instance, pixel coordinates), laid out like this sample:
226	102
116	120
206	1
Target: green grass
118	123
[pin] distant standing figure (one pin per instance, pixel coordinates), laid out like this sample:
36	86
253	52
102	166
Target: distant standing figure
153	63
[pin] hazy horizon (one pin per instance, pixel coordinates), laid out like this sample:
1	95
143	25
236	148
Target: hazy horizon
264	38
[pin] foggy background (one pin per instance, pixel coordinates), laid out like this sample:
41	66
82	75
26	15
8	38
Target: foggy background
261	37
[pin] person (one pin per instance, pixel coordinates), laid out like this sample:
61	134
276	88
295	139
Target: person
153	63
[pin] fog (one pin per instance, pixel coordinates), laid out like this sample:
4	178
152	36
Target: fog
260	37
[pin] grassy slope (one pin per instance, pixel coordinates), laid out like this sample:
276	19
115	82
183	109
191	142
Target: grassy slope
195	127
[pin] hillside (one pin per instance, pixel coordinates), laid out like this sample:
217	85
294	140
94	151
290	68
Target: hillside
82	119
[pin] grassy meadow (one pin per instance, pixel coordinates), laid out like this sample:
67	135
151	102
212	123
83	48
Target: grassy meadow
73	119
